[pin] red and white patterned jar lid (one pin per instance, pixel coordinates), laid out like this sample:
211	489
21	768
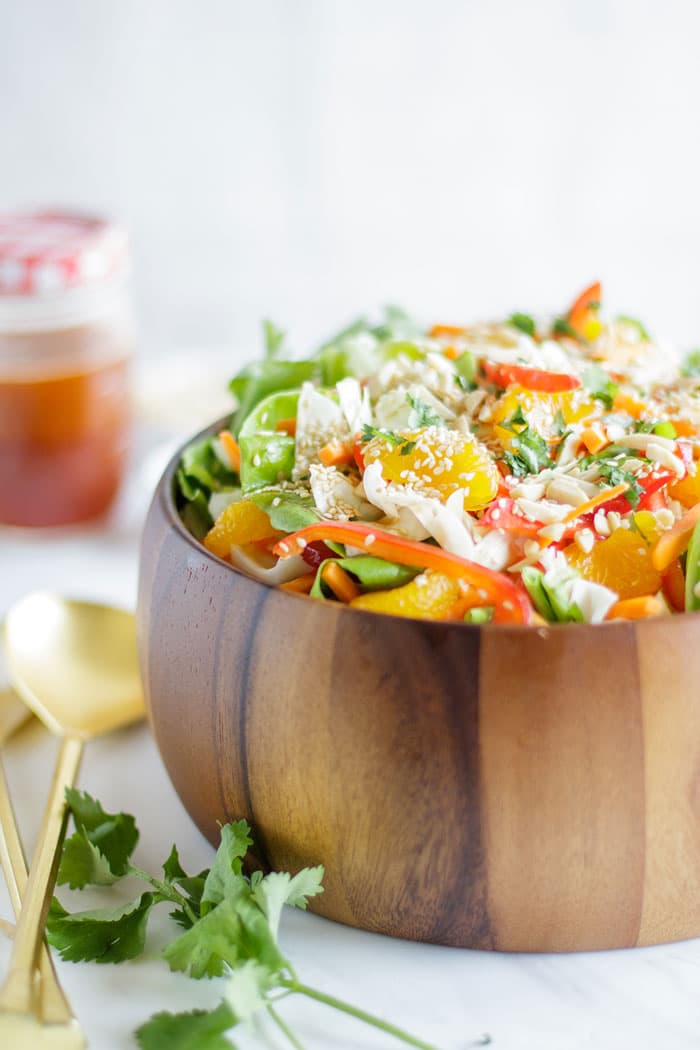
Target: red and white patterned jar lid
48	252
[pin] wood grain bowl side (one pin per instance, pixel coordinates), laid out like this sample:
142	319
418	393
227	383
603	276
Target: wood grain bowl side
519	789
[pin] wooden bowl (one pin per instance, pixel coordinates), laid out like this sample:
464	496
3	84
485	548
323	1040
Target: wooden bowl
514	788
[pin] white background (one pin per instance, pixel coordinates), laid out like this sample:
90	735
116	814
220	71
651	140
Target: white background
310	159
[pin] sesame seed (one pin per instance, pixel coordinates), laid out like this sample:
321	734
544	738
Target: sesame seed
302	542
369	540
256	460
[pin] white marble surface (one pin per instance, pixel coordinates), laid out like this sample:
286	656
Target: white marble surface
628	1000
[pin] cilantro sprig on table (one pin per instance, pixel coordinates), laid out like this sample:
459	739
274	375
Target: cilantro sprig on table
229	926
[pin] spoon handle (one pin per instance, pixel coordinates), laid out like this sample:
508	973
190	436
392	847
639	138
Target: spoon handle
18	993
53	1003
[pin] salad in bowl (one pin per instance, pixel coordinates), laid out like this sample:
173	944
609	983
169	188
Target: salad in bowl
530	470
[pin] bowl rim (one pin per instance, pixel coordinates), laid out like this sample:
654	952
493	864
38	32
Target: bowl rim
165	493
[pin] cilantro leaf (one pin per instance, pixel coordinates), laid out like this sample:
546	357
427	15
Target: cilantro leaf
208	946
559	427
105	935
370	432
172	869
599	385
99	851
516	420
226	874
425	415
531	451
82	864
403	444
191	885
279	888
615	474
235	930
523	322
274	339
197	1030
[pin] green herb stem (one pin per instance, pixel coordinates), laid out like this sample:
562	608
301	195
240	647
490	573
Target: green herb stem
361	1015
284	1027
165	889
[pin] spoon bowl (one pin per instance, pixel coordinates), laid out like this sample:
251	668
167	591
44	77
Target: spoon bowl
72	662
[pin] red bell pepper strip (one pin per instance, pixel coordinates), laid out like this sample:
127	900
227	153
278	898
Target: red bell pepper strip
511	605
357	453
501	514
537	379
584	308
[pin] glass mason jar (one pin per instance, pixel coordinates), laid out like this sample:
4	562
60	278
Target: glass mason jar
66	338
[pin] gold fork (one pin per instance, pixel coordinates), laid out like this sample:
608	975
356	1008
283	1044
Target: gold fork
63	1031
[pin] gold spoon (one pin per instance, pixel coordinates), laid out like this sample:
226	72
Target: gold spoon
75	665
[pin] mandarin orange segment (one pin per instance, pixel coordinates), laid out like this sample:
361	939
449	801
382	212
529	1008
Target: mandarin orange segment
622	562
438	461
238	524
431	596
686	491
542	411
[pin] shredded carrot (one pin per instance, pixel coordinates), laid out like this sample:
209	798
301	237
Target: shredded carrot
439	330
231	448
683	428
335	454
671	544
301	584
451	354
636	608
603	497
628	404
287	426
340	583
594	439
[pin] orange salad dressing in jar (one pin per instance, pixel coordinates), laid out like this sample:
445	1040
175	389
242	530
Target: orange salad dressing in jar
65	344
